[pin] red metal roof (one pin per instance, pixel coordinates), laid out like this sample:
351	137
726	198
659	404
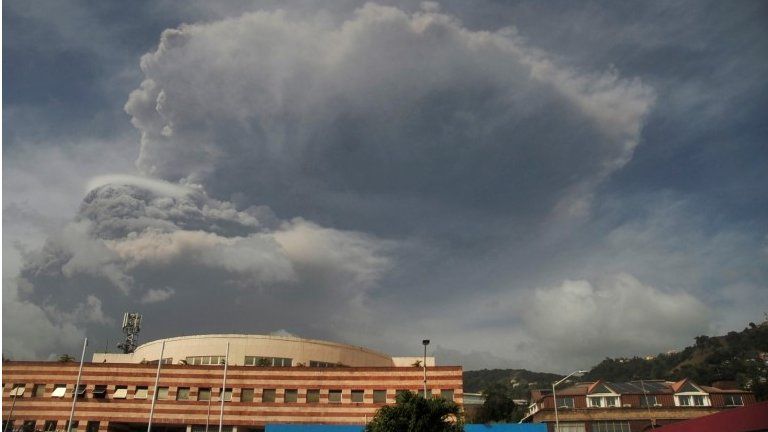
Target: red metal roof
750	418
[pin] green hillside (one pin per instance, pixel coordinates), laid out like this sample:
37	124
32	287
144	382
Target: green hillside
738	357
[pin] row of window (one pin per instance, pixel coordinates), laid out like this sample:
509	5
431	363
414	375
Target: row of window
204	393
49	426
597	426
248	361
649	401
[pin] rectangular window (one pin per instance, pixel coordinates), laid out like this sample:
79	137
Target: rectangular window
81	391
358	396
611	401
334	396
268	395
379	396
291	395
610	426
141	392
246	395
28	426
121	392
647	401
227	394
684	400
38	390
59	390
698	400
572	427
162	393
204	394
73	426
17	390
399	393
447	394
92	426
182	393
50	426
313	396
100	391
733	400
595	402
565	402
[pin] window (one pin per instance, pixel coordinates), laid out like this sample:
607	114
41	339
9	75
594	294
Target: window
28	426
572	427
50	426
92	426
73	426
100	391
182	393
121	392
17	390
268	361
647	401
698	400
447	394
141	392
313	396
204	394
291	395
81	391
268	395
59	390
357	396
565	402
611	401
162	393
246	395
334	396
167	360
610	426
315	363
733	400
38	390
400	392
684	400
204	360
379	396
227	394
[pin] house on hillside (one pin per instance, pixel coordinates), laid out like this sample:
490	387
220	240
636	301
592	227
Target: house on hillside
634	406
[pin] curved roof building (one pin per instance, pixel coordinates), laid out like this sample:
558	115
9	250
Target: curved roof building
256	350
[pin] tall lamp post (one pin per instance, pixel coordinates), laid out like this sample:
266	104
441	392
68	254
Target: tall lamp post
425	342
577	373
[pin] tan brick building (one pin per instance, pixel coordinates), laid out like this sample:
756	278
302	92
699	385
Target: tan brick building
117	397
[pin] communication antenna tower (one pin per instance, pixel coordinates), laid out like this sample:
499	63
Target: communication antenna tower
131	329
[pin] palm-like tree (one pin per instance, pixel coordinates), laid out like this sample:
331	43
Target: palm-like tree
413	413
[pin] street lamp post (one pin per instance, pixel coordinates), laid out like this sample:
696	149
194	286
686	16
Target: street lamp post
554	394
425	342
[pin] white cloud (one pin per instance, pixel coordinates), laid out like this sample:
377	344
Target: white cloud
158	295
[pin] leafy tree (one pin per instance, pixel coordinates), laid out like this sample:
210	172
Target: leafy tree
63	358
413	413
499	405
263	362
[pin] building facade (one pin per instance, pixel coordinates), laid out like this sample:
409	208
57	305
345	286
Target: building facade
630	406
117	397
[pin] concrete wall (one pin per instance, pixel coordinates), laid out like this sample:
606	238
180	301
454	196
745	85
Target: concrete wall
300	350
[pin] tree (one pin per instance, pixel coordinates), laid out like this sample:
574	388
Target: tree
499	405
263	362
413	413
66	358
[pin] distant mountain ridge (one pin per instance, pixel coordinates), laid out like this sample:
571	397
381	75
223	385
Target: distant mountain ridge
738	359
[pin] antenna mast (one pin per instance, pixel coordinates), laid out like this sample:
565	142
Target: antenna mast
131	329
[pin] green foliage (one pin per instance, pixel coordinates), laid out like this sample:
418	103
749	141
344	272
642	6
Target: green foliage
263	362
499	405
413	413
63	358
524	380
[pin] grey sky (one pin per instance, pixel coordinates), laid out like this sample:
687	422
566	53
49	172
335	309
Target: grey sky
528	184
